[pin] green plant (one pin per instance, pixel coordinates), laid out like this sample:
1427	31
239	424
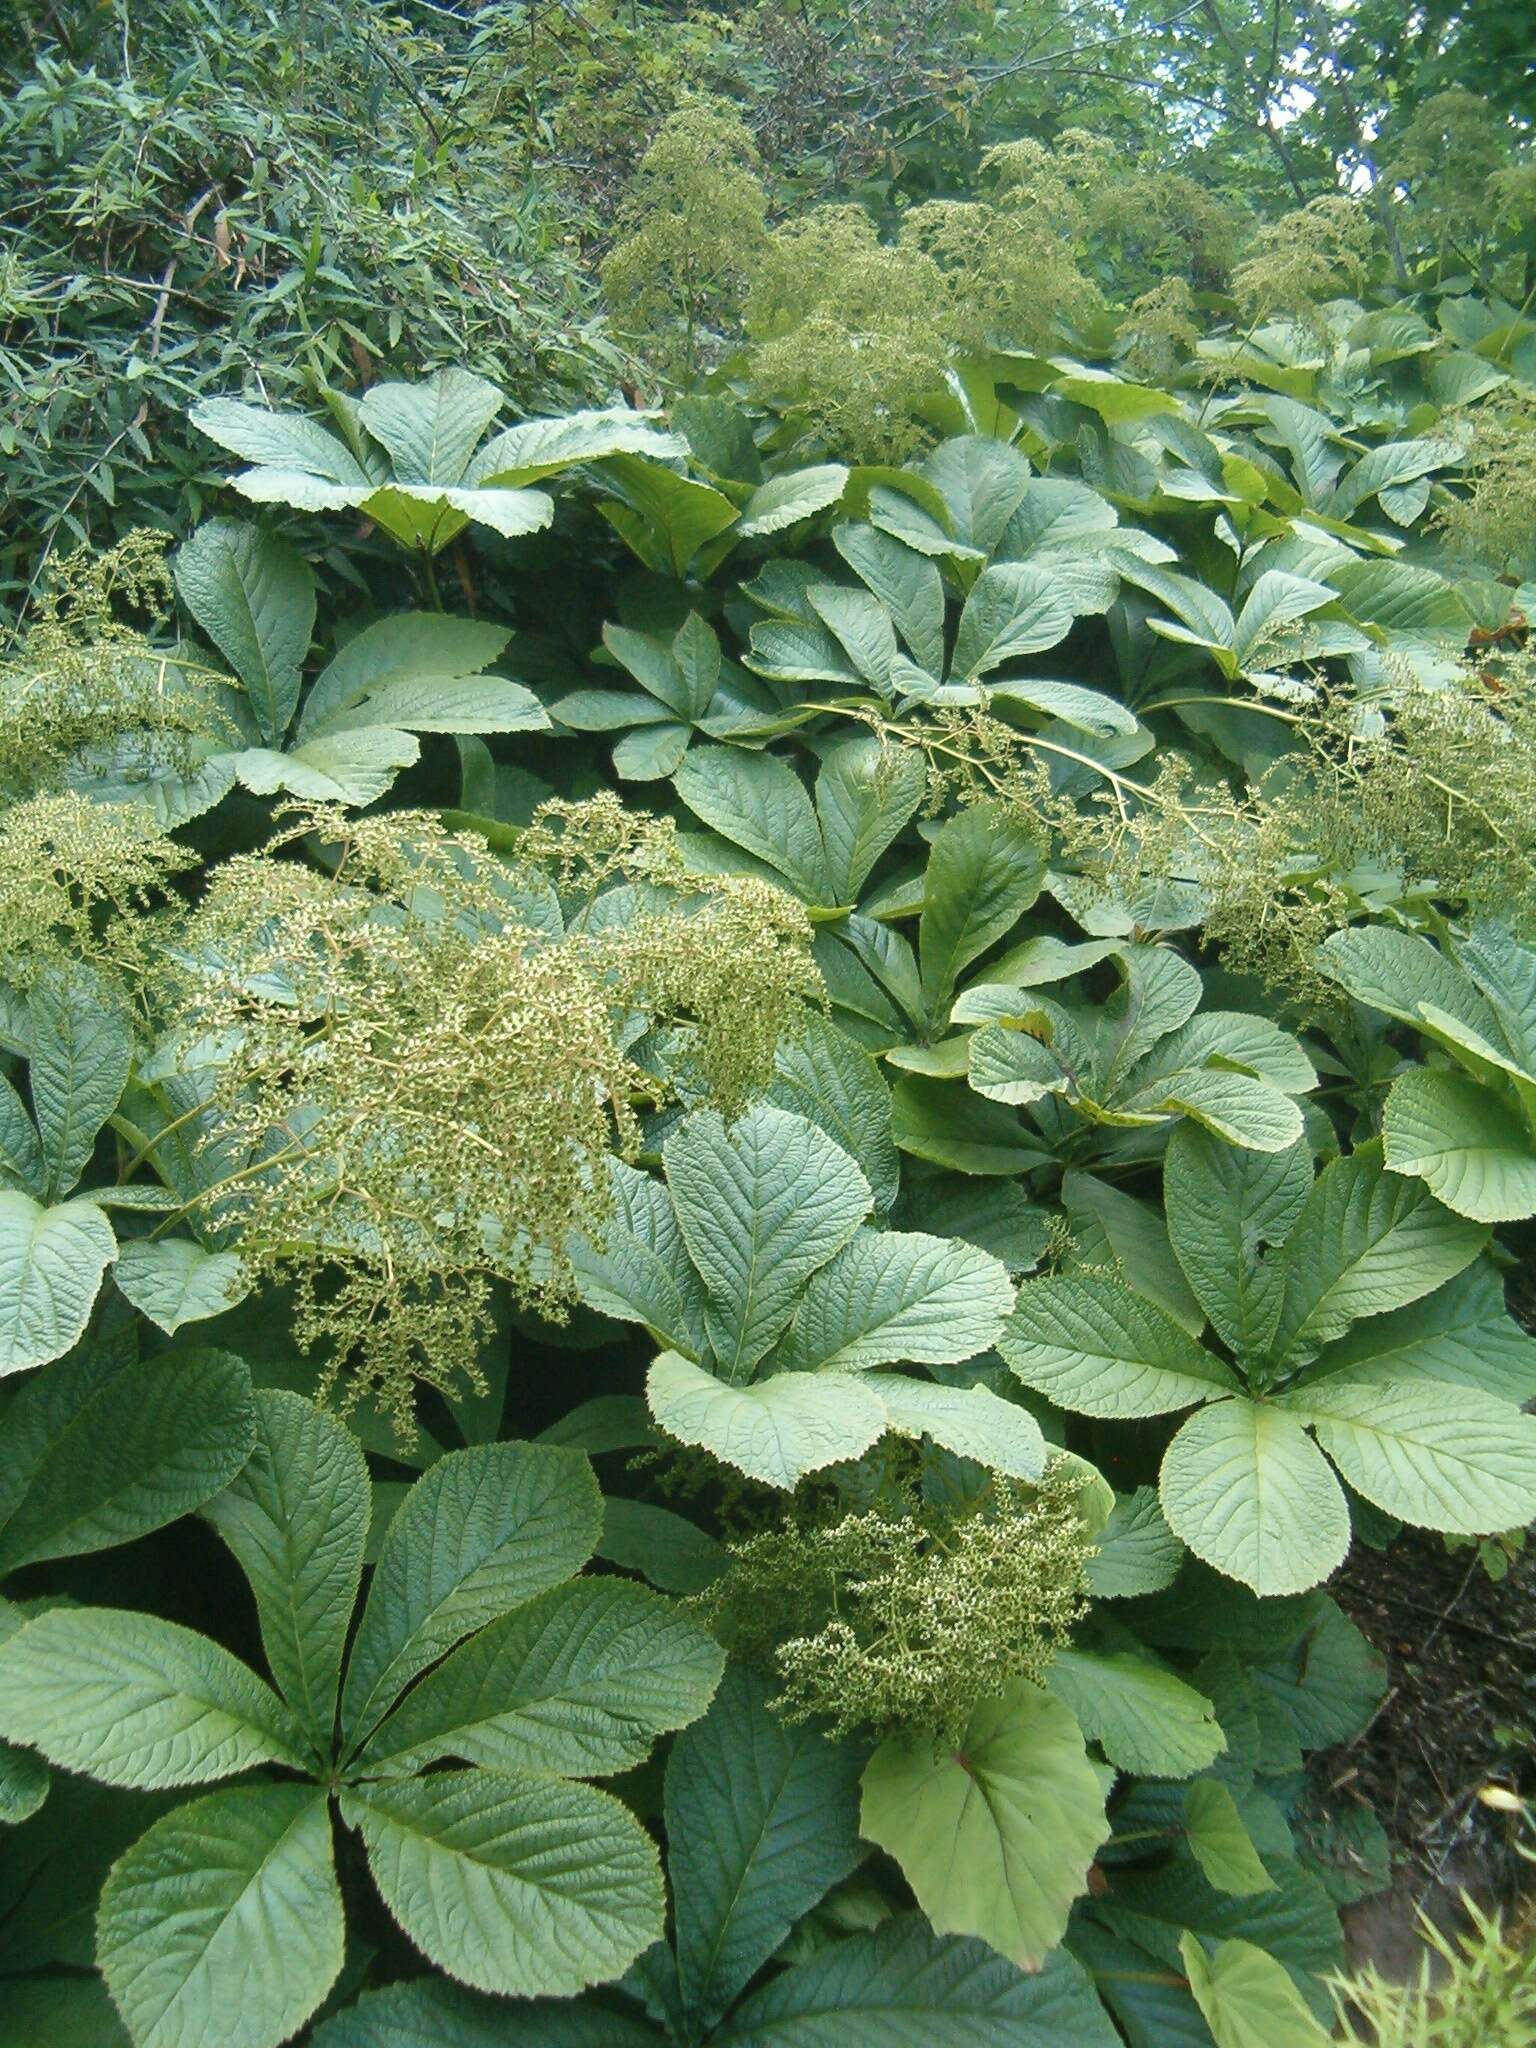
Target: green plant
1304	1283
509	1873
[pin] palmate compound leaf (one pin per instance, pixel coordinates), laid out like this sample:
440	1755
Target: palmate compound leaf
105	1447
512	1882
1464	1142
224	1921
1462	1335
825	1075
890	1297
578	1682
995	1837
254	596
762	1819
1224	1205
640	1272
1091	1345
973	1422
51	1263
762	1203
1248	1998
482	1531
1143	1718
296	1519
1246	1488
1451	1458
984	872
132	1700
1366	1241
776	1431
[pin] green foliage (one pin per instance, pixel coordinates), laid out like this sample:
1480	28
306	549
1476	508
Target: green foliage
469	1861
1067	1004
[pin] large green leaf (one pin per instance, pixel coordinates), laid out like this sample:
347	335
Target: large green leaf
1142	1717
1248	1998
580	1681
904	1987
432	2012
21	1151
761	1820
758	802
1441	1457
82	1047
1461	1140
892	1297
762	1203
296	1518
640	1271
973	1422
511	1882
1244	1486
174	1280
865	794
825	1075
1461	1335
984	872
906	583
254	596
994	1837
1136	1551
224	1921
777	1431
133	1700
537	448
1366	1241
104	1447
1014	609
1090	1344
50	1272
481	1532
1219	1840
418	648
1224	1204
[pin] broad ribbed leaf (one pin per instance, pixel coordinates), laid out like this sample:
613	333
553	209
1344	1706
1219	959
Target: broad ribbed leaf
995	1838
862	628
406	647
105	1447
277	439
1014	609
484	1530
1463	1142
1143	1718
897	1297
1240	1109
431	2012
825	1075
865	795
640	1271
1366	1241
1245	1487
1160	992
526	453
224	1922
21	1152
984	872
430	428
1092	1345
758	802
579	1682
904	1987
1220	1843
1247	1997
1224	1204
1136	1551
51	1263
254	596
1398	971
510	1882
906	583
762	1819
174	1280
1441	1457
82	1047
134	1700
296	1519
353	768
762	1203
796	495
777	1431
1462	1335
973	1422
